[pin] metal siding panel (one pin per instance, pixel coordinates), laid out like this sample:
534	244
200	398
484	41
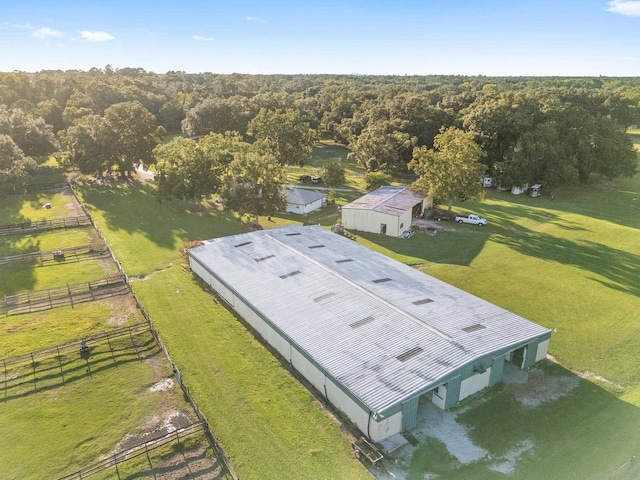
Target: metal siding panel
410	414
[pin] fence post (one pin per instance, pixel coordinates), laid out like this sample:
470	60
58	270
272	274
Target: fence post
5	379
33	366
70	296
60	363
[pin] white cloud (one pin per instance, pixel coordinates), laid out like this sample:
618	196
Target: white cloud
202	39
625	7
46	32
96	36
255	19
28	26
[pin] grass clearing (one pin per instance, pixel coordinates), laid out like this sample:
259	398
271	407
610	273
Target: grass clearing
324	151
30	207
569	263
267	422
46	240
59	430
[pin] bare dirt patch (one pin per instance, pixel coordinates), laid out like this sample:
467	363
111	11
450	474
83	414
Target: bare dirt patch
124	309
507	463
158	426
531	388
163	385
542	388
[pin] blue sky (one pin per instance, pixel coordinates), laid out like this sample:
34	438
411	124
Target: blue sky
403	37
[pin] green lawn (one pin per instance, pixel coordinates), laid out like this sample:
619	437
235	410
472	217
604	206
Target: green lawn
60	429
50	428
570	264
26	332
30	207
46	240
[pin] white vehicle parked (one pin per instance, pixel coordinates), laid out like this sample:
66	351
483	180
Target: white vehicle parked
473	219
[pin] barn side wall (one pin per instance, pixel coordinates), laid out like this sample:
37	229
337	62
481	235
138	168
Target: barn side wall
369	221
375	427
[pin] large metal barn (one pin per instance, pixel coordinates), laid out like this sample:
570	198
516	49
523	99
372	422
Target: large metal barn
369	333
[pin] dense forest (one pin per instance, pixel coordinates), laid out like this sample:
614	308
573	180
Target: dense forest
555	131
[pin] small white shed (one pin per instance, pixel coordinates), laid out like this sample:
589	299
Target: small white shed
518	190
536	190
303	201
387	210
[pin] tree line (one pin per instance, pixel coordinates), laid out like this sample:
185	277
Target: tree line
555	131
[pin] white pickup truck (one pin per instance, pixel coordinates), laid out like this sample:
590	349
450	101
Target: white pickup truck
472	219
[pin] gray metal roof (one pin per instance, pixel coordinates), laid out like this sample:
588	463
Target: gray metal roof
299	196
381	328
388	199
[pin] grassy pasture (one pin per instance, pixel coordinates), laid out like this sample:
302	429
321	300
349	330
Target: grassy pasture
30	207
46	240
56	429
570	263
27	332
57	425
20	277
323	152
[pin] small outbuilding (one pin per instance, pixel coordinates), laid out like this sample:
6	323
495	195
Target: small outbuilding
536	190
303	201
387	210
374	337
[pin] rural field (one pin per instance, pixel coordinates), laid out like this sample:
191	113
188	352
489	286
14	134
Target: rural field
569	263
65	408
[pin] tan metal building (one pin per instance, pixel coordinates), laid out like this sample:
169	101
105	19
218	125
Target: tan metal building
387	210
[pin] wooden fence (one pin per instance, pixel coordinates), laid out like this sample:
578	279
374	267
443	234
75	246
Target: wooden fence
54	366
61	296
91	250
40	225
143	449
211	438
43	187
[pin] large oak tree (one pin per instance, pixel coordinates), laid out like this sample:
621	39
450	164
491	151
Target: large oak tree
284	134
193	169
254	184
121	140
450	170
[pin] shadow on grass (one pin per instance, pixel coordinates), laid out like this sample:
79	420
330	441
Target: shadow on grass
53	373
616	201
454	248
585	433
619	268
132	207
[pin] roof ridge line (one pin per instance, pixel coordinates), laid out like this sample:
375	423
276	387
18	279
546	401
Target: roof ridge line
388	198
401	311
